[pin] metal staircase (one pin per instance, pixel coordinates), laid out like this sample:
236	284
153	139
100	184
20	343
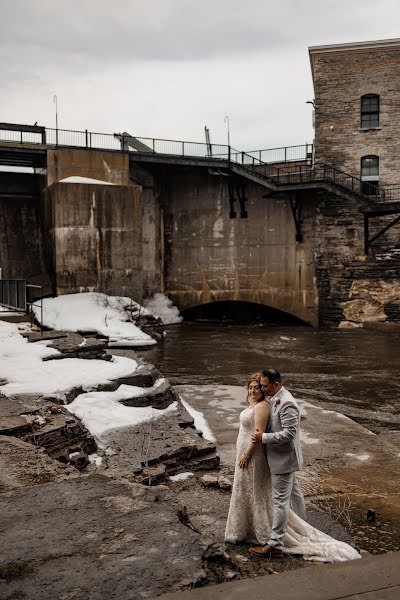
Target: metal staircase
296	177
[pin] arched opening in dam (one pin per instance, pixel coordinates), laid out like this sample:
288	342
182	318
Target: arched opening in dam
236	311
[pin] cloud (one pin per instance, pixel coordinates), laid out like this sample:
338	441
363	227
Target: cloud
165	68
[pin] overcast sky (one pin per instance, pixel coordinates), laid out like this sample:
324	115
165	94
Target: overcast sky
167	68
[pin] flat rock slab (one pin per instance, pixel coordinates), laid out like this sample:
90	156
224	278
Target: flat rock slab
162	441
95	538
37	336
61	435
159	397
17	425
142	377
22	464
22	404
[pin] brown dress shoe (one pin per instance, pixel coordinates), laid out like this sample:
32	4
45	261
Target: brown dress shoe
266	551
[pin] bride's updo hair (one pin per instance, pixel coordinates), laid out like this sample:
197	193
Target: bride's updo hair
254	377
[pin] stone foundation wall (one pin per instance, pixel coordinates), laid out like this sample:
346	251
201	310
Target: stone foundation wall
336	227
373	292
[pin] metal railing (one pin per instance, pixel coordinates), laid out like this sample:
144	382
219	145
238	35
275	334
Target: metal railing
284	154
123	141
260	162
320	172
254	164
324	172
13	294
389	193
14	297
117	141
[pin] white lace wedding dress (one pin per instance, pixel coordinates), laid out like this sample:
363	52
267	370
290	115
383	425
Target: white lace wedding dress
250	511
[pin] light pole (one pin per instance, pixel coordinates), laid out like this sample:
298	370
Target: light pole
55	102
226	120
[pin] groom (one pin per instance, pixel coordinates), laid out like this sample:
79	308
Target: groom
284	458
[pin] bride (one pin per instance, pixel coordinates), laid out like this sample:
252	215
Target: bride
250	511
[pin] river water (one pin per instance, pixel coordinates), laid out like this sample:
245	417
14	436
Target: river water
356	372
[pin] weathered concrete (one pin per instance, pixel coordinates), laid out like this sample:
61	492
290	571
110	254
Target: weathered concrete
94	238
206	256
171	231
21	242
202	255
94	164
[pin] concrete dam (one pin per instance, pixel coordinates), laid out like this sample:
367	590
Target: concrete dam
201	229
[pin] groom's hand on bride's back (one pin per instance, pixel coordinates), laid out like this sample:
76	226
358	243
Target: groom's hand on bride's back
256	436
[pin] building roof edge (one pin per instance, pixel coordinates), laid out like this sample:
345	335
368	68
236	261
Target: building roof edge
314	50
354	46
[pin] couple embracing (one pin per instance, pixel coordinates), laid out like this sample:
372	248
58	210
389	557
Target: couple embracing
267	505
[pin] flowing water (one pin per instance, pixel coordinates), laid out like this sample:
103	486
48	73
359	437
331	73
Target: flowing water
356	372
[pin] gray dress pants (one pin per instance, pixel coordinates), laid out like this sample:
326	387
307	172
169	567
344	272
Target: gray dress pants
286	495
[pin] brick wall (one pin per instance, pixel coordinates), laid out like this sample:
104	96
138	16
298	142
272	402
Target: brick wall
340	79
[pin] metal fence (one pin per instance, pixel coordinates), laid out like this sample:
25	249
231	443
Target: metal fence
263	161
13	294
284	154
323	172
389	193
127	142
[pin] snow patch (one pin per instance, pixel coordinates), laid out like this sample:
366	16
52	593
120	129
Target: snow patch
181	476
101	412
95	459
200	421
97	313
162	307
25	372
89	180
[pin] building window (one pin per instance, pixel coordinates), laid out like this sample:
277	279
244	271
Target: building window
369	174
369	111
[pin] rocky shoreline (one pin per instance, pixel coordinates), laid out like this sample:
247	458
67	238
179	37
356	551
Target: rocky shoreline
120	526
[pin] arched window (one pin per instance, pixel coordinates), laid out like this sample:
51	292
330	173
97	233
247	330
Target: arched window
369	174
369	111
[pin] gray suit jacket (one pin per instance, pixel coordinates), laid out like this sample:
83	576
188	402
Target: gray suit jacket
282	439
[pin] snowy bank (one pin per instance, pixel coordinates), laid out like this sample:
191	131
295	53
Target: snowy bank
106	315
96	313
25	372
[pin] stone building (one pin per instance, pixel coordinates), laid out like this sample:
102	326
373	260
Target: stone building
357	130
357	108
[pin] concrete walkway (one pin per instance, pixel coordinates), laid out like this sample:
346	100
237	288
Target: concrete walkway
371	578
